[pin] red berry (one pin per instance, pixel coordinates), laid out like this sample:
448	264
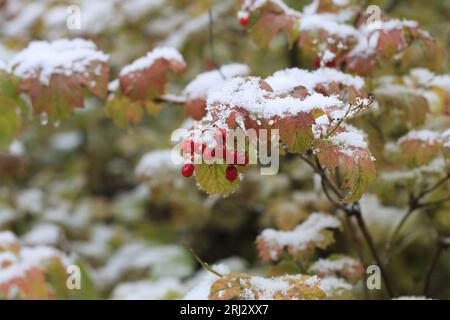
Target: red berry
199	147
187	170
231	173
244	21
331	63
316	62
187	146
220	136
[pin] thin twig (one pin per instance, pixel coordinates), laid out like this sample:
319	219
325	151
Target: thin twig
205	265
355	239
437	254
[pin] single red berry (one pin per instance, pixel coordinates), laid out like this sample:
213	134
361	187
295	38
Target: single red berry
220	136
316	63
199	147
187	170
187	146
244	21
331	63
231	173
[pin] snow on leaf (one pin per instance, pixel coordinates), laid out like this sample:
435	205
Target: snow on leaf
25	273
347	149
54	74
420	147
246	287
197	90
146	77
312	233
272	19
338	265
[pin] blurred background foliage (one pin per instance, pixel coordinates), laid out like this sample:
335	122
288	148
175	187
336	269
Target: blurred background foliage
78	175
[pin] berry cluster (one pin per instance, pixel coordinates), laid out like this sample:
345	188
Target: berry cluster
214	152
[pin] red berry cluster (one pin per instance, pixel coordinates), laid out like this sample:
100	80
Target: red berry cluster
230	156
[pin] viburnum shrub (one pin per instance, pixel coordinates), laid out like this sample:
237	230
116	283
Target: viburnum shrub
353	106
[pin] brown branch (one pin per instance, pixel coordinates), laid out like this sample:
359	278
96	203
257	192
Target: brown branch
440	248
373	250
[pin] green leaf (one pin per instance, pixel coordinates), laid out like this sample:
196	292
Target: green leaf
211	179
9	120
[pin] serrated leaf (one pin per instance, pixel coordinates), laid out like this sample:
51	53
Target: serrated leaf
211	179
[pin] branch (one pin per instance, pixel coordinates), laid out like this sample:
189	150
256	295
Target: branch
370	243
352	210
414	204
440	247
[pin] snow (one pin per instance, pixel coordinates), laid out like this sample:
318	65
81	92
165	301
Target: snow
44	234
377	215
158	162
332	285
148	289
30	200
16	148
247	94
268	287
326	266
286	80
213	80
66	141
7	238
425	135
151	57
302	235
58	57
135	9
158	260
179	35
25	19
203	286
354	139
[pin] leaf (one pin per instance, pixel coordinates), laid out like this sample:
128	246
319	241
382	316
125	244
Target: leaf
420	147
272	20
312	233
338	266
56	88
9	121
57	99
146	78
196	108
351	155
242	286
211	179
122	110
296	131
